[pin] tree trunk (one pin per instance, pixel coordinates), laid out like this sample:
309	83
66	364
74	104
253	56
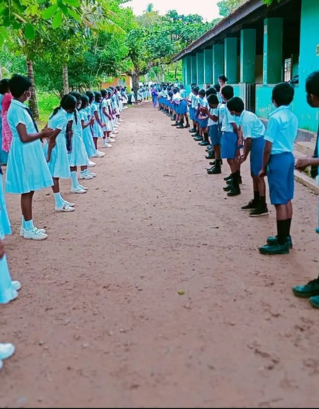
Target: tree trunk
33	103
65	79
135	83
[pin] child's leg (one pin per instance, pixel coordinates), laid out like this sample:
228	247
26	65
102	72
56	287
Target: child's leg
283	212
95	141
26	208
261	186
232	164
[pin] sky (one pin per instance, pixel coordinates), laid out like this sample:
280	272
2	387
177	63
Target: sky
205	8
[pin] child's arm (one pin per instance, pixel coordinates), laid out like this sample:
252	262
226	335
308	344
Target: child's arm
86	124
247	149
303	163
98	119
51	143
2	250
266	157
106	114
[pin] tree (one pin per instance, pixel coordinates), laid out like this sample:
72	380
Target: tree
226	7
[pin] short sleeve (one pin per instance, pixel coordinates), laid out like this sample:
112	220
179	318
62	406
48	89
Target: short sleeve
247	130
230	118
18	116
271	131
61	122
94	108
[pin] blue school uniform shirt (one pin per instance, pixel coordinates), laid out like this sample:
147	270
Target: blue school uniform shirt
226	118
251	125
18	114
282	130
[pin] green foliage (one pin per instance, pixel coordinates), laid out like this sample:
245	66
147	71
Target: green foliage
47	102
226	7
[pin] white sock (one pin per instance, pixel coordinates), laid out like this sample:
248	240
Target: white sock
58	200
74	179
29	225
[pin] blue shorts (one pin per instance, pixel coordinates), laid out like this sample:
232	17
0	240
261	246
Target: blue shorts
203	123
256	155
192	113
214	135
229	145
280	173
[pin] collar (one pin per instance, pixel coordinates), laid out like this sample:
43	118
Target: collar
242	115
18	103
282	108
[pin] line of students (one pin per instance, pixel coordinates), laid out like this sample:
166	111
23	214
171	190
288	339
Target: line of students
38	159
230	132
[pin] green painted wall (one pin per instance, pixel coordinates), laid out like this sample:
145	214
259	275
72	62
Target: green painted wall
194	69
208	66
218	61
200	67
231	71
188	79
273	59
248	56
309	62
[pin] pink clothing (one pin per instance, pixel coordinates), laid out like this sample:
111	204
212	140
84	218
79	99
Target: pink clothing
6	131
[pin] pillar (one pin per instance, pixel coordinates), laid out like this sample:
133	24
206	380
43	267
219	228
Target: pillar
248	56
231	60
184	70
208	66
188	79
200	68
194	69
218	59
273	57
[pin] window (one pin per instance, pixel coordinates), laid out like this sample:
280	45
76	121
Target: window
287	73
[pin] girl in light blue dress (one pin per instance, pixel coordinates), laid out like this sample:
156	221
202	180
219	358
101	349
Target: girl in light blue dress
8	288
27	169
78	155
91	96
56	150
107	120
87	122
98	123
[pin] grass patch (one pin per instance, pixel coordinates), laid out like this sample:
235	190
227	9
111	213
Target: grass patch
46	102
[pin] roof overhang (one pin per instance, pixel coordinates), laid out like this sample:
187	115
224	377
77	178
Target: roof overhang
239	14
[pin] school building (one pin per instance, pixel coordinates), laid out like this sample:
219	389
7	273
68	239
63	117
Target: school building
256	47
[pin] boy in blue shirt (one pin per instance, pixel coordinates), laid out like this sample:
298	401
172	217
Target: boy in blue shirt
253	133
311	290
278	165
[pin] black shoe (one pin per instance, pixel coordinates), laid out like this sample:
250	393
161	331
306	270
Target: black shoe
228	177
192	130
214	163
187	126
229	181
210	155
194	134
180	126
259	211
252	205
204	143
173	118
198	138
175	124
228	188
215	170
235	191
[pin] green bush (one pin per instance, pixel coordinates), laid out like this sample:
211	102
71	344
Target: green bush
47	101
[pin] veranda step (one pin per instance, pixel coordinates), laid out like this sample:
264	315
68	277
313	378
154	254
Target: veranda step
304	177
307	148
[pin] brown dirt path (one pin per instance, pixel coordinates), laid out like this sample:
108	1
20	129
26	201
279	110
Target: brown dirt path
99	321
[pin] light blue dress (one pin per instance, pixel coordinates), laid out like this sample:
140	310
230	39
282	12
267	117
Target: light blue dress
104	118
59	161
97	130
27	169
78	155
3	154
87	134
7	292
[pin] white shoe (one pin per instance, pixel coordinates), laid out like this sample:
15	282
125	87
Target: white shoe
92	174
16	285
70	204
100	154
22	231
83	187
116	132
109	140
108	145
85	175
78	190
91	164
64	208
6	350
34	234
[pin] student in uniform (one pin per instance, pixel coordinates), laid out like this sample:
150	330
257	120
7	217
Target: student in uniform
4	88
191	109
194	106
222	80
27	169
98	123
57	158
214	133
278	165
87	121
106	119
311	289
77	155
229	142
253	133
202	119
91	96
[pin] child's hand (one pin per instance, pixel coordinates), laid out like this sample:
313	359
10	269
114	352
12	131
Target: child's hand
2	250
262	173
46	132
242	158
302	163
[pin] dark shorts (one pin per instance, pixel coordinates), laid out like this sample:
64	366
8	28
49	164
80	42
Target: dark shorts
229	145
280	173
256	155
214	135
203	123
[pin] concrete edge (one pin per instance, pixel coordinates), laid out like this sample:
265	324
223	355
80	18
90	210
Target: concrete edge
307	182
